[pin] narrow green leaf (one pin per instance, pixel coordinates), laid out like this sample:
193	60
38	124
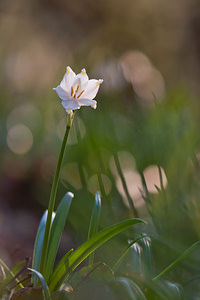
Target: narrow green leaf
178	260
129	289
11	275
69	262
94	222
47	295
56	232
37	252
116	265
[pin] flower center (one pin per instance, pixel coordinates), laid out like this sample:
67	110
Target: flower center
74	94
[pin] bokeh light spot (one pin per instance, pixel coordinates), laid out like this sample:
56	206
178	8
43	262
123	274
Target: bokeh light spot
19	139
152	177
146	80
134	185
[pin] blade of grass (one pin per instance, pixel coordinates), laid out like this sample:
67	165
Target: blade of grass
69	263
178	260
10	277
129	289
56	232
115	266
121	175
47	295
94	223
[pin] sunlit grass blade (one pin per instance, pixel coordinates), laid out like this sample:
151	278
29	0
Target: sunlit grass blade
178	260
115	266
47	295
128	289
11	275
69	263
94	222
57	228
37	252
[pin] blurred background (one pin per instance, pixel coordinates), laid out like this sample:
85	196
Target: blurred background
145	129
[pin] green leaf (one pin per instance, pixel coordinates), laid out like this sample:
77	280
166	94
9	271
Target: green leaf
69	262
178	260
116	265
56	232
37	252
11	275
128	289
47	295
94	222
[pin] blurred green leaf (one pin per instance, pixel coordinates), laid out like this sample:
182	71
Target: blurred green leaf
69	262
124	253
10	275
94	222
37	252
187	252
128	289
57	228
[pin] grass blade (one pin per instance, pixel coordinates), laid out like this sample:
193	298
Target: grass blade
69	262
56	232
47	295
94	222
115	266
129	289
11	275
178	260
37	252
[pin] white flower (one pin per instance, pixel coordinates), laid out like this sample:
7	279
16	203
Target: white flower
77	90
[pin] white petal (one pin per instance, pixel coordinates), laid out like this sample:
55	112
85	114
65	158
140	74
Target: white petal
91	89
87	102
83	77
62	93
70	104
80	83
68	80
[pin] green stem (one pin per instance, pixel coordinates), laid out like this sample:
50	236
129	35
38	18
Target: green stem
121	175
53	194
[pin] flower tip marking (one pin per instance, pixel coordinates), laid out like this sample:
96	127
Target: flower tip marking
83	71
99	81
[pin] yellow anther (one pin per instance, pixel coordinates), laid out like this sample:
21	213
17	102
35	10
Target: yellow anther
68	71
98	82
77	89
83	72
72	90
93	105
80	94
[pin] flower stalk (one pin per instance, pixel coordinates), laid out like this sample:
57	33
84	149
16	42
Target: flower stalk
53	193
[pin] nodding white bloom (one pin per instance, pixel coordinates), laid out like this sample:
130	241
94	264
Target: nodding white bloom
77	90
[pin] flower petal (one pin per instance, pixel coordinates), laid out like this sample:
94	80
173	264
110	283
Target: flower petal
83	77
79	83
70	104
87	102
68	80
62	93
91	89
